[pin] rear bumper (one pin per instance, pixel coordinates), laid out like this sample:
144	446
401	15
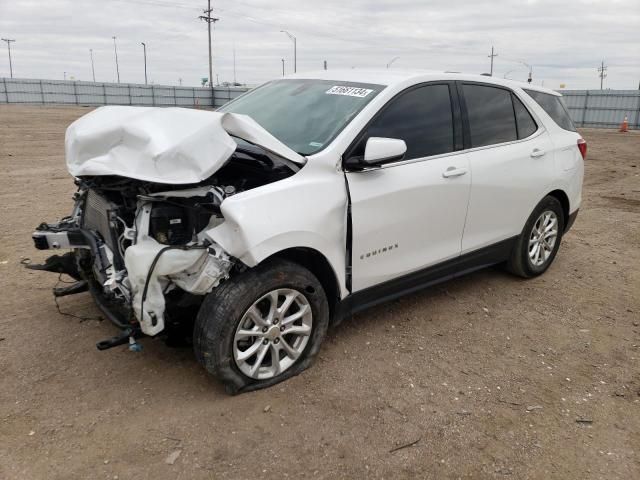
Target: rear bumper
571	220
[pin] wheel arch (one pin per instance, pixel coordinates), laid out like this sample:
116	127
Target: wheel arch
319	265
563	198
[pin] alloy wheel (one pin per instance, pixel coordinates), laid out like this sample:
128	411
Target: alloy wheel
543	238
272	333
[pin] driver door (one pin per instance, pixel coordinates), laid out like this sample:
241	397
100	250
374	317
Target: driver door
410	214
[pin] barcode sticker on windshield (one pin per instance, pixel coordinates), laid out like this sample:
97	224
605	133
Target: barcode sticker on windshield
348	91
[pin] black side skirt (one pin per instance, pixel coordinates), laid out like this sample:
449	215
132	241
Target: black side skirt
456	267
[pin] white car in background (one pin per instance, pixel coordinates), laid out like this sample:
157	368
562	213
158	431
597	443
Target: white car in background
305	200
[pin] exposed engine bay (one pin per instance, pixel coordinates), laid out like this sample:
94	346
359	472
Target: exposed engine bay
142	249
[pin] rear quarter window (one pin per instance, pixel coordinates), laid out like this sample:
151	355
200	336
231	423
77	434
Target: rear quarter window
526	124
554	106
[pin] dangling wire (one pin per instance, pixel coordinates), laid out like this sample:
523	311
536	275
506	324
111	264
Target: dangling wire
67	314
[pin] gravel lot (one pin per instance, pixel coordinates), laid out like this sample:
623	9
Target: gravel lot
489	376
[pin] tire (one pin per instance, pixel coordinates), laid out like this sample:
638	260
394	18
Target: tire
243	304
522	263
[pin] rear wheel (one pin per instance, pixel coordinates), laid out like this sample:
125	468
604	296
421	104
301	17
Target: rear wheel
539	241
262	326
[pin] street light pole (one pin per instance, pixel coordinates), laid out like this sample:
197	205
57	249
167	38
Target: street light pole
9	40
144	48
392	60
283	67
93	71
295	54
115	49
234	64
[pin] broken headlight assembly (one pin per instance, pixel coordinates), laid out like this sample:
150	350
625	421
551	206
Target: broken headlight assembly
177	221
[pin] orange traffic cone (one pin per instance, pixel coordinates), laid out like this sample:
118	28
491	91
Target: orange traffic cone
624	126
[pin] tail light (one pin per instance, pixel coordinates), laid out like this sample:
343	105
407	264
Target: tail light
582	146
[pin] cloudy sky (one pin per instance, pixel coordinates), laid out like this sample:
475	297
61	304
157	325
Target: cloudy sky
564	41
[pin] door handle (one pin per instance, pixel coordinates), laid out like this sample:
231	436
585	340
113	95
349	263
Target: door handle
537	152
454	172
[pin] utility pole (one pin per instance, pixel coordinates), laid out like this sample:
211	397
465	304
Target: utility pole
602	73
93	71
9	40
325	64
115	50
144	48
234	63
209	19
491	57
294	40
283	67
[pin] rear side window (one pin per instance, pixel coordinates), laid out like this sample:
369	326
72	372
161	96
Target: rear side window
491	115
526	124
554	107
422	117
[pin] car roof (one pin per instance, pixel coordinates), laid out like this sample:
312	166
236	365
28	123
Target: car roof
390	77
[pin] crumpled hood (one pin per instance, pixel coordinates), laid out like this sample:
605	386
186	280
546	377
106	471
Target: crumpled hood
162	145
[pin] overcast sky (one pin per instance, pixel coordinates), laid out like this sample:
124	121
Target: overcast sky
564	41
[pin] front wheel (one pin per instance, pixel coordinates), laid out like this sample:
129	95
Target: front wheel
262	326
539	241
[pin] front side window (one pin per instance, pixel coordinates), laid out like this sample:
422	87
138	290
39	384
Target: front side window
422	117
554	106
491	115
306	115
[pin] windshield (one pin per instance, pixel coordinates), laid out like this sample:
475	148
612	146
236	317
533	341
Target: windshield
305	115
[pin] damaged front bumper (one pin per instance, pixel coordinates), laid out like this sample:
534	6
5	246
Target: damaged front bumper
128	272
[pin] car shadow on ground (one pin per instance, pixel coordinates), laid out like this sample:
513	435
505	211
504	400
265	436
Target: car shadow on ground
174	355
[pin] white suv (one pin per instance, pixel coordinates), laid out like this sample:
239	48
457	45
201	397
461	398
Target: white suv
307	199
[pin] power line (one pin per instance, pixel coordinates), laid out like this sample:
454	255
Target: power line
210	20
491	57
602	73
280	26
9	40
115	50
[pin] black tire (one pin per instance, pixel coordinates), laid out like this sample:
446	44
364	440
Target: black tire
520	262
225	306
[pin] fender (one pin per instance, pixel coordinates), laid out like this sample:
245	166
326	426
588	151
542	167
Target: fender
253	220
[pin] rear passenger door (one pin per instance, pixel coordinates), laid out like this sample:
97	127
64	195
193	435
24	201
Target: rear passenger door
511	162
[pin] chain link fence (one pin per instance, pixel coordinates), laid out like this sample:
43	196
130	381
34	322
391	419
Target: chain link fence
61	92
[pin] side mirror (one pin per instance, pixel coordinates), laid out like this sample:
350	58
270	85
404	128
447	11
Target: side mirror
380	150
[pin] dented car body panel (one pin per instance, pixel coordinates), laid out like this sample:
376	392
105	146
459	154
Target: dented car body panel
254	220
161	145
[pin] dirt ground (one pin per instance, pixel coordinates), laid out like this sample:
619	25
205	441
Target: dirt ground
489	376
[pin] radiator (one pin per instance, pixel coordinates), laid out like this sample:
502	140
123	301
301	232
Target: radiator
96	217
